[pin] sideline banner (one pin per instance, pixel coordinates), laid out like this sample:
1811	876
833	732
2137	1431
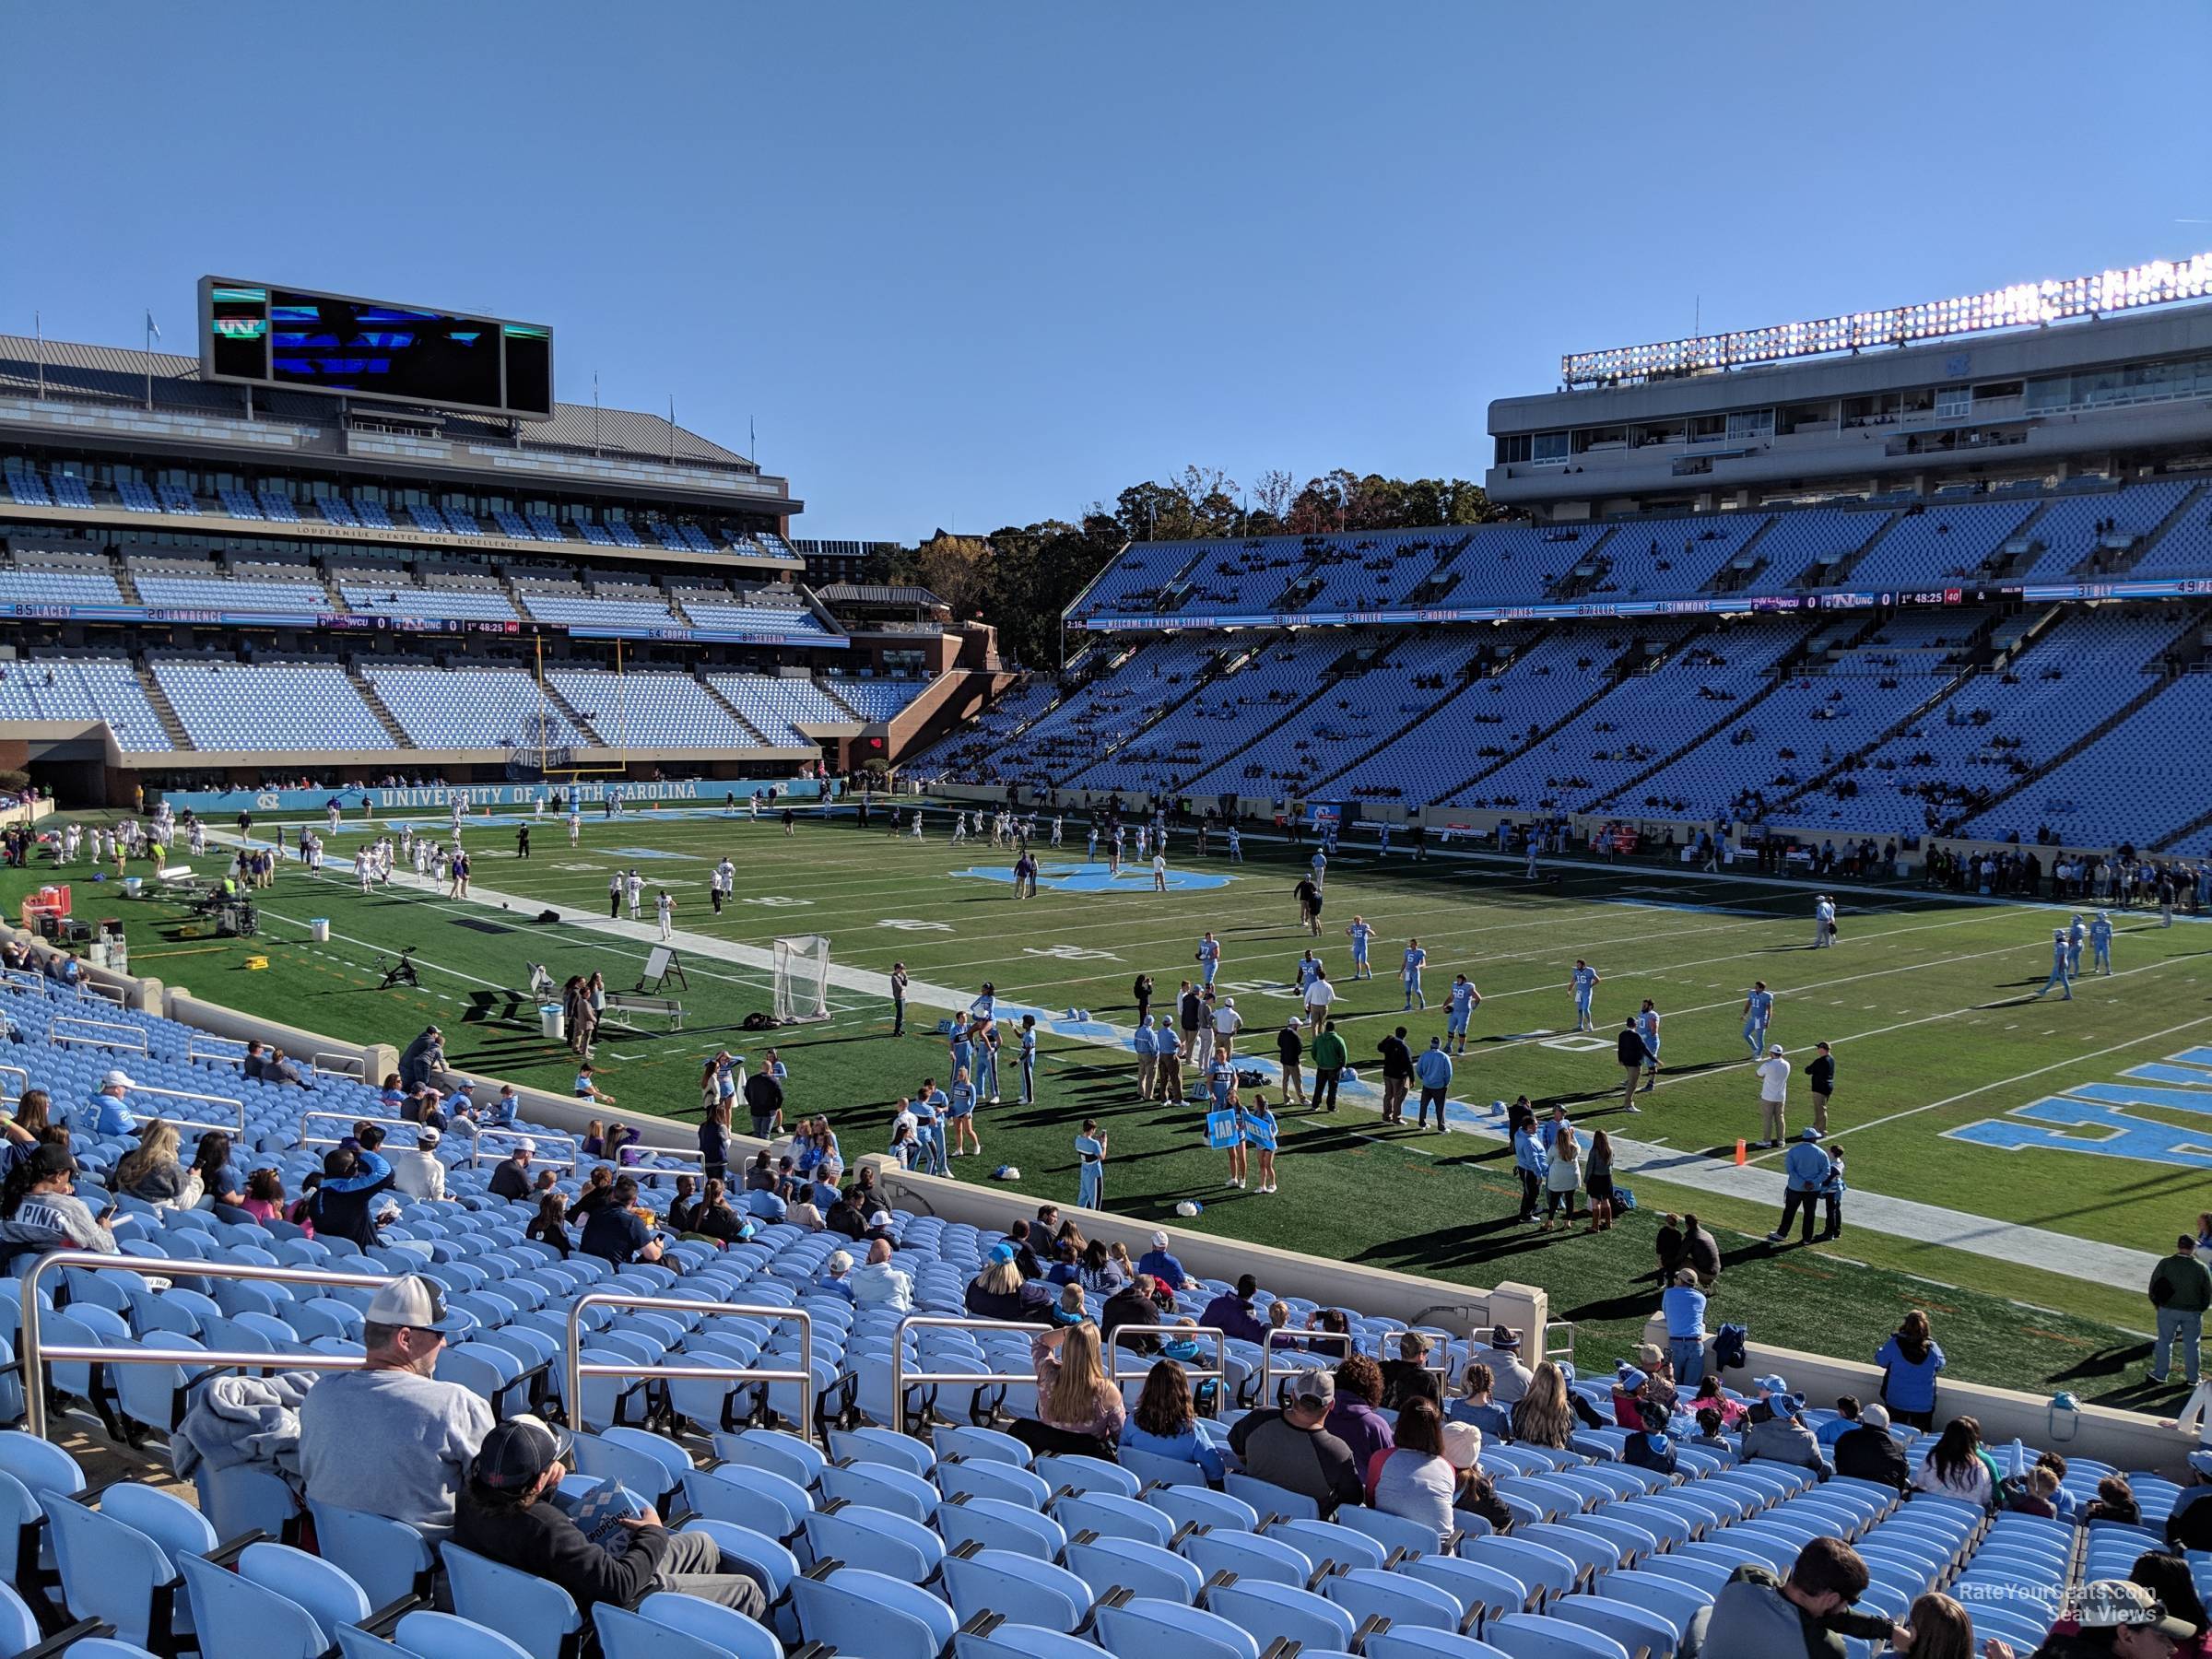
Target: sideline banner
436	797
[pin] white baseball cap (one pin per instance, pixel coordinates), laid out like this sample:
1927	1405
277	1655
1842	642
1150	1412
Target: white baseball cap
415	1302
1159	1241
117	1079
1773	1048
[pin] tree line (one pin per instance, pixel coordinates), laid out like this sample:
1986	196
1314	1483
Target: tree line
1022	577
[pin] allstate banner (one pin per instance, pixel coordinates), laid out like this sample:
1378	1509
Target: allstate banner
438	797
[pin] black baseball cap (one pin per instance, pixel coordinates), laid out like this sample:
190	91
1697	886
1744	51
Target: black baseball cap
517	1452
51	1160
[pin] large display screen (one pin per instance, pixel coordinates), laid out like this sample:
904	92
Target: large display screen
314	342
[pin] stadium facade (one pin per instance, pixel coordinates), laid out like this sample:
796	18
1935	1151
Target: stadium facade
219	583
1946	582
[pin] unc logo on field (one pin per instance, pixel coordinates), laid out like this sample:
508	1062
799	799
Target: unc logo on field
2093	1117
1101	878
265	802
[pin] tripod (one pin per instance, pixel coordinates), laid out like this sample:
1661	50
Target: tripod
401	972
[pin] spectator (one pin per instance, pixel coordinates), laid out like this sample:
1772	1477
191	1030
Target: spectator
1075	1396
549	1227
1098	1273
1510	1378
1532	1164
1631	1408
598	1192
1354	1416
845	1217
1709	1436
1542	1416
714	1141
685	1204
1463	1451
222	1188
508	1514
765	1206
1292	1447
1700	1252
343	1205
1668	1243
615	1233
880	1285
1136	1303
1331	1054
1233	1313
760	1175
511	1179
40	1211
2115	1501
1776	1434
2034	1495
390	1438
1940	1628
2168	1577
1432	1067
150	1171
1682	1304
1166	1421
716	1219
1955	1468
276	1069
1773	1096
1407	1377
1910	1360
2110	1617
1411	1477
997	1291
837	1275
1869	1452
1631	1054
1842	1424
415	1171
1757	1616
1160	1263
764	1099
2181	1289
422	1059
109	1112
1821	1074
1289	1052
264	1196
1475	1406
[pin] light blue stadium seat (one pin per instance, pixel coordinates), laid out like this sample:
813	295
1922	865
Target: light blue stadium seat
1107	1564
388	1558
1020	1588
449	1636
1144	1628
1268	1613
860	1612
668	1626
538	1616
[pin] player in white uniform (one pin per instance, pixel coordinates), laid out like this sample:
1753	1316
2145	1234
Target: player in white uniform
1321	868
959	828
1056	829
915	830
664	909
360	869
633	892
1236	846
575	825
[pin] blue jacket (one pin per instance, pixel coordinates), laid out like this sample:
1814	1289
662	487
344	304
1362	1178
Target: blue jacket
1186	1447
1433	1066
1806	1166
1684	1306
1145	1042
1905	1386
1160	1264
1529	1154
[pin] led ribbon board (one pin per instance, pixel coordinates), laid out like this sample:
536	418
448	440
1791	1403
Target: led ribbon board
2023	305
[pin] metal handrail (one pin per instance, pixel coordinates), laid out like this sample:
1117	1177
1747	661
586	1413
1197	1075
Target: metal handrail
36	1355
902	1378
354	1065
193	1051
24	978
238	1129
345	1117
54	1034
15	1071
578	1368
1555	1351
1217	1373
476	1156
1268	1351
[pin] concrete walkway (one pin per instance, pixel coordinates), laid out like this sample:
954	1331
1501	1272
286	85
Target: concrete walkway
1752	1183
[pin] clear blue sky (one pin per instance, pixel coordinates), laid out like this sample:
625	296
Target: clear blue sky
977	265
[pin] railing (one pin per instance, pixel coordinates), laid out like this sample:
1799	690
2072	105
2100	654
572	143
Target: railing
578	1368
349	1065
1215	1372
222	1057
1558	1351
14	1071
55	1034
902	1378
22	979
346	1117
476	1156
36	1354
1268	1372
236	1128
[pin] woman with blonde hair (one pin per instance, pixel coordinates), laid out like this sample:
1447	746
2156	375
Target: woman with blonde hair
1542	1417
1074	1394
151	1173
1564	1174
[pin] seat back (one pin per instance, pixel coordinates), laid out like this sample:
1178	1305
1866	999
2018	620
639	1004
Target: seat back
111	1571
387	1559
324	1589
536	1615
846	1618
448	1636
233	1615
1143	1628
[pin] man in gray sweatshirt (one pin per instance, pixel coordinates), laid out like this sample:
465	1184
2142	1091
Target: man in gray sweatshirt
1757	1617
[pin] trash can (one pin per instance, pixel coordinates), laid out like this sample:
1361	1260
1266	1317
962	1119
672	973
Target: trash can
553	1021
318	929
133	885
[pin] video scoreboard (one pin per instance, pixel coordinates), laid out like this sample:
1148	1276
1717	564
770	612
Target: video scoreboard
297	340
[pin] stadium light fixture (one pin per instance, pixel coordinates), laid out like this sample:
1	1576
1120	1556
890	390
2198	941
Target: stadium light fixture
2021	305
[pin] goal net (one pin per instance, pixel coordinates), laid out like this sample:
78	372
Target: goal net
802	971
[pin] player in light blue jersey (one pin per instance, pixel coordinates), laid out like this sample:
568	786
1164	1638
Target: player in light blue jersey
1647	1028
2100	942
1209	957
2059	977
1410	971
1090	1149
1759	1007
2078	932
1464	1000
1359	933
1584	981
1306	970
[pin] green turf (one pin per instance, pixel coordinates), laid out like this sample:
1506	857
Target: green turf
1924	1000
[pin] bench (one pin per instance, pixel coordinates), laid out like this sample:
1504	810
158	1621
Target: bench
622	1005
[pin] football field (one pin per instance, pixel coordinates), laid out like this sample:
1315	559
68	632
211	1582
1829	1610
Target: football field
1957	1088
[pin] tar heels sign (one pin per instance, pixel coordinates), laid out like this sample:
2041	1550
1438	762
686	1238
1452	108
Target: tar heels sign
2095	1117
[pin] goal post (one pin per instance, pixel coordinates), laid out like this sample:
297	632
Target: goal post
802	979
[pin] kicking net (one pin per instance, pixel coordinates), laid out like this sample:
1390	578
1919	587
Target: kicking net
802	979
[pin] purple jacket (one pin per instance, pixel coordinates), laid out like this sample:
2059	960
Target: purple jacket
1362	1428
1235	1318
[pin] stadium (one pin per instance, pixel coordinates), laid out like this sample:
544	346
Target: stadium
372	714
